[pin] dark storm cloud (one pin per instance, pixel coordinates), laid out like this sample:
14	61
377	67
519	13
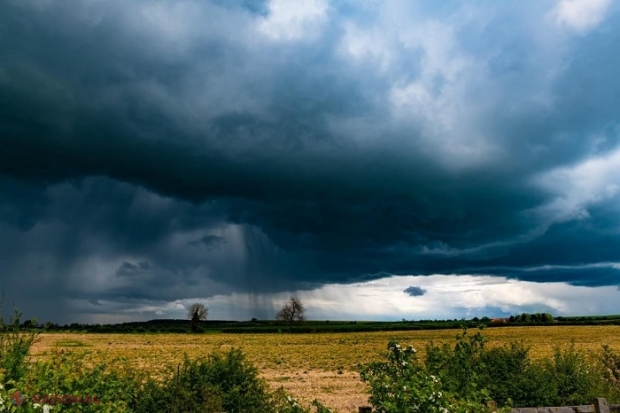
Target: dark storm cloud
414	291
170	150
209	241
128	269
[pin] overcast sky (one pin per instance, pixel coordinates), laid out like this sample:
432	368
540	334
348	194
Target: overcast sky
380	159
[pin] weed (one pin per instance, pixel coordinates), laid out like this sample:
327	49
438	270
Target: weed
14	346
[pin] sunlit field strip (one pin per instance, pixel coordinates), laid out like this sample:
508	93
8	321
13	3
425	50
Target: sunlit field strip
315	351
309	365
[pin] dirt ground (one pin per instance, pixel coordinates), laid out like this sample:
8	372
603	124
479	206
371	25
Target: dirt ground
343	392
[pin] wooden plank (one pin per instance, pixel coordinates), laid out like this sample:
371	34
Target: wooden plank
601	405
584	409
560	409
570	409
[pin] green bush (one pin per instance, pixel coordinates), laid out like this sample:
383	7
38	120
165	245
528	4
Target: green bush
219	382
504	374
14	347
66	374
536	389
610	367
575	379
402	384
462	368
468	375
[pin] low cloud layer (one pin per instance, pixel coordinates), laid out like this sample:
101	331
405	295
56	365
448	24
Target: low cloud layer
447	297
160	151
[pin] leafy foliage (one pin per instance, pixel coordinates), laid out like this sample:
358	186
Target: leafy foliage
610	366
97	388
461	367
505	374
535	318
401	383
574	379
219	382
14	347
468	376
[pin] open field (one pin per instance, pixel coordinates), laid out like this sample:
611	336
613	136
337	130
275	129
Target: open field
322	366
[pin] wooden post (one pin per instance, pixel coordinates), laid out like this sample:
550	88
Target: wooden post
365	409
601	406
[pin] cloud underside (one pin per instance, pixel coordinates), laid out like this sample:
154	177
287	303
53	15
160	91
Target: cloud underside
147	155
414	291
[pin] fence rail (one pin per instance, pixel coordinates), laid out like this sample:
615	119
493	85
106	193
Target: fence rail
600	406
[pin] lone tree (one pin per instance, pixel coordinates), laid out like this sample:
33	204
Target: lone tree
292	312
196	313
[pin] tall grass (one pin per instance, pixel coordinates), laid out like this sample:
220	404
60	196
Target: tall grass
14	347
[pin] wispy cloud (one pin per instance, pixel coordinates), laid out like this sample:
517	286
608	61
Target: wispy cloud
581	15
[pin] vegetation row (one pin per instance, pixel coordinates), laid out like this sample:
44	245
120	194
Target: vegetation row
326	326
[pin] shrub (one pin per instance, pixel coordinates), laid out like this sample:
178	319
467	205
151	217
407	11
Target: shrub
535	389
213	384
467	375
14	347
575	379
401	383
461	368
504	374
220	382
609	362
66	374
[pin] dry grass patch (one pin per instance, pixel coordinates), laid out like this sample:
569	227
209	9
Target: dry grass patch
322	366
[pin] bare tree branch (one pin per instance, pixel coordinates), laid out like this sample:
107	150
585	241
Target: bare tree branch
292	312
196	313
